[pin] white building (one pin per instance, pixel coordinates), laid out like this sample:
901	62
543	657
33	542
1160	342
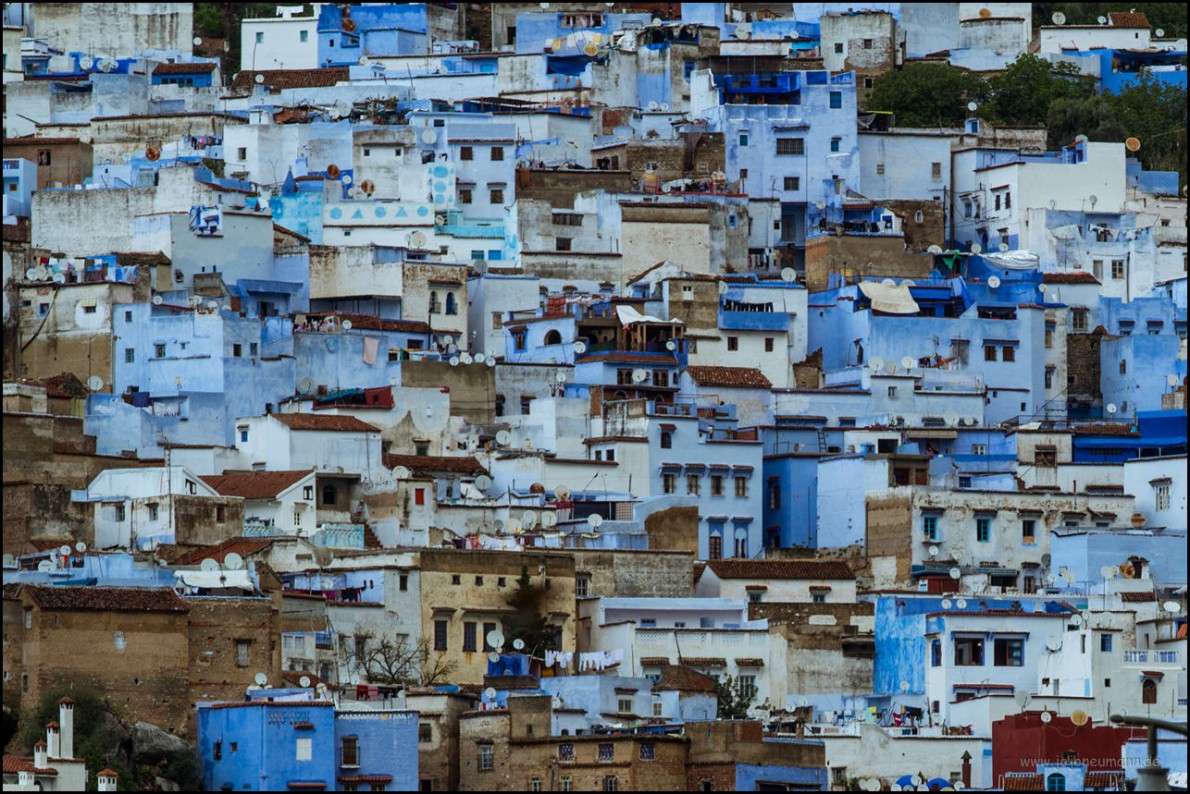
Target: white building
778	581
53	766
288	41
288	442
1159	485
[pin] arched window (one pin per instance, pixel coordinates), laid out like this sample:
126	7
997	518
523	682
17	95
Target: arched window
1055	782
451	306
1148	691
434	302
553	338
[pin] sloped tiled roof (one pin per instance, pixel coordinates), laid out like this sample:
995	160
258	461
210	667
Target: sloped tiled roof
1105	429
780	569
14	765
184	68
683	679
1128	19
1138	597
1103	780
291	78
240	546
735	377
363	322
1023	782
1073	277
630	358
429	464
325	422
108	599
253	484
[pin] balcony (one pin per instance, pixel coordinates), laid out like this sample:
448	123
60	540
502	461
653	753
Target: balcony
1150	657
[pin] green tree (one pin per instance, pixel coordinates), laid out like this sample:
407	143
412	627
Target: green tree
734	700
529	622
928	94
1023	93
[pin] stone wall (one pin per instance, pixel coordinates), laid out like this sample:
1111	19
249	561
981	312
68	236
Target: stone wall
637	574
862	256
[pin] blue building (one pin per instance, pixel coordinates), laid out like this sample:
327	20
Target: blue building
20	180
347	34
1155	434
376	748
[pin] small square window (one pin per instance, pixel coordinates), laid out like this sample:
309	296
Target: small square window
497	196
304	36
792	182
836	99
497	153
1105	643
733	343
867	44
466	153
259	37
838	48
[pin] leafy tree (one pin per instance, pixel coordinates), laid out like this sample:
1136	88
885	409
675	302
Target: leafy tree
1023	93
928	94
530	622
734	700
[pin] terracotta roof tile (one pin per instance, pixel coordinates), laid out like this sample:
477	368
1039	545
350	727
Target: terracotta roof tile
1023	782
14	765
108	599
325	422
704	661
429	464
1138	597
1072	277
141	258
184	68
781	569
241	546
291	78
365	322
254	484
630	358
736	377
1125	19
1105	429
684	679
1113	780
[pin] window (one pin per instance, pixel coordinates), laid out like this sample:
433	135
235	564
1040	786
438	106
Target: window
668	483
743	173
466	153
518	340
456	579
237	351
733	343
566	784
838	48
259	37
968	651
242	653
440	628
836	99
791	146
692	484
768	344
485	758
741	486
220	514
607	752
350	749
817	598
835	143
747	684
929	526
667	439
119	513
419	496
566	752
1029	531
497	153
1148	691
983	529
535	784
1008	353
468	637
496	195
1117	269
191	487
624	705
715	551
1123	366
1055	782
425	732
793	182
1105	643
526	403
1078	319
152	512
129	355
1008	652
989	352
562	243
741	546
610	783
935	653
716	485
1161	496
464	195
892	392
304	36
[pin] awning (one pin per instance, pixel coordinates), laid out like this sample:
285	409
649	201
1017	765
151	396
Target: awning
1014	260
894	299
629	315
930	433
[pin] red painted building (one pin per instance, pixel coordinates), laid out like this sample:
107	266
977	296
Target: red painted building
1022	741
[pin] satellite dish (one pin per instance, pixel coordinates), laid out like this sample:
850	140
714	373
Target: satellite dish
653	105
961	603
483	482
1159	33
935	249
364	60
1021	697
820	204
368	186
158	300
891	367
86	62
80	547
560	377
548	520
591	50
496	641
959	785
428	136
454	361
1132	144
465	358
45	565
908	283
518	644
152	154
402	473
1102	20
1172	607
984	13
1106	572
333	171
639	375
580	347
934	551
31	274
347	325
1111	408
908	362
1058	18
107	65
904	686
722	287
197	40
503	437
595	520
304	681
993	281
1002	247
888	282
1079	717
562	493
212	305
490	693
876	364
788	274
1053	643
64	550
480	358
1172	380
491	362
951	418
976	248
346	179
670	346
306	385
1042	288
233	561
258	79
1046	716
529	519
209	565
94	383
493	657
448	340
1093	199
947	603
261	679
498	526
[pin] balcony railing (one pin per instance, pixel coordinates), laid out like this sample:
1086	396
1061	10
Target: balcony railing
1150	657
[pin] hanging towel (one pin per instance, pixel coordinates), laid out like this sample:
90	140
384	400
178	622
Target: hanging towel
371	345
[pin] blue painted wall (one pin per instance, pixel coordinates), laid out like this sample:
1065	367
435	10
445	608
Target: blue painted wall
387	744
265	736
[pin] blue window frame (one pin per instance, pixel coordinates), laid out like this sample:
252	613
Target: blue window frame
836	99
936	653
835	144
929	526
1105	643
983	529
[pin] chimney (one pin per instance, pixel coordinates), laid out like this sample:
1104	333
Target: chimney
66	719
51	738
39	759
107	780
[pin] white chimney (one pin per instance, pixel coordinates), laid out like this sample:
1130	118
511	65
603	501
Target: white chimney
25	779
66	720
51	738
107	780
39	759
